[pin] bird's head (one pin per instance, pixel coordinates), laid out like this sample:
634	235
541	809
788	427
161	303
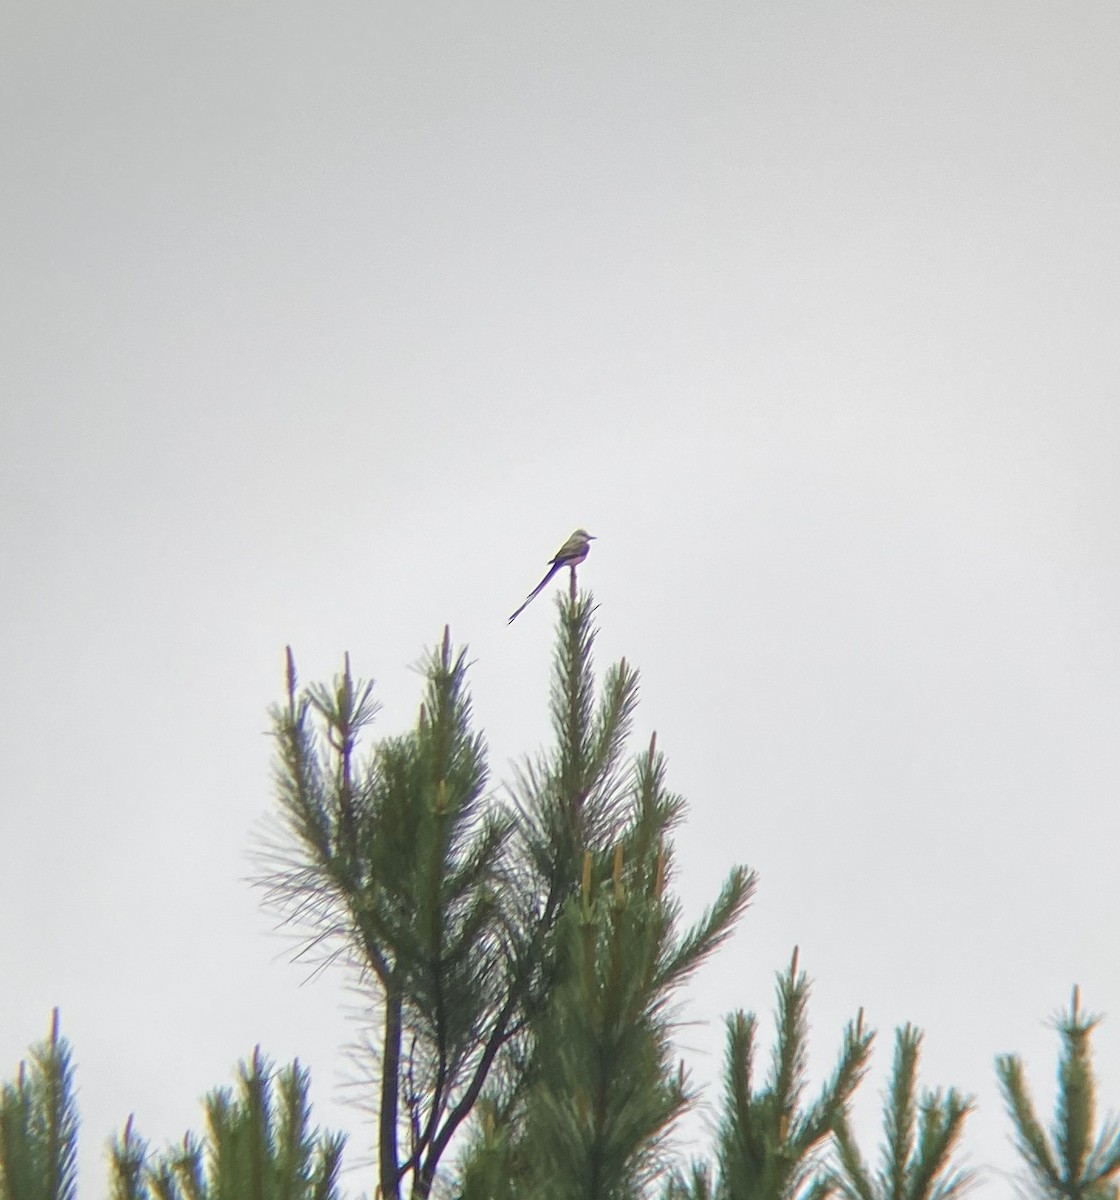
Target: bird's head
583	536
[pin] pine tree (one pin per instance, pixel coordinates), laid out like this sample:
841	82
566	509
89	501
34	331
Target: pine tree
1075	1163
920	1135
769	1144
595	1091
497	938
258	1146
524	957
599	1092
397	864
39	1125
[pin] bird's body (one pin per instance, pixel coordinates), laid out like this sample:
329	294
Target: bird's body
570	554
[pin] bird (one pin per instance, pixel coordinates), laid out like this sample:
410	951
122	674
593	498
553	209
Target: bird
570	554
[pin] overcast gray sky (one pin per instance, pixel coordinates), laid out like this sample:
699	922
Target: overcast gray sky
326	324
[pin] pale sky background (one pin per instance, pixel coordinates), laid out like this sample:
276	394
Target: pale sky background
327	323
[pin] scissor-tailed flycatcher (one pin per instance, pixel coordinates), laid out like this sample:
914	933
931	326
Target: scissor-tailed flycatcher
570	554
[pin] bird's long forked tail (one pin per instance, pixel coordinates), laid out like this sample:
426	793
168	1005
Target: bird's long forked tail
535	592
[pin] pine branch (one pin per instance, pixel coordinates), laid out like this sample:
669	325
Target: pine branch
1076	1104
1078	1167
714	927
831	1106
128	1155
39	1125
941	1126
1029	1136
918	1137
1104	1162
900	1114
853	1180
788	1067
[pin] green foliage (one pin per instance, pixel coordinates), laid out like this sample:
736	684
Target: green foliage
497	938
920	1135
522	956
528	950
601	1090
573	798
1078	1164
39	1125
398	865
769	1142
586	1093
696	1185
258	1145
604	1091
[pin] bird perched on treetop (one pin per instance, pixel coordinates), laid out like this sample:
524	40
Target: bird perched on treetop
570	554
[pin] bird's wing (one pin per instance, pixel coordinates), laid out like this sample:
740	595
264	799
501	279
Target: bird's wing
574	547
